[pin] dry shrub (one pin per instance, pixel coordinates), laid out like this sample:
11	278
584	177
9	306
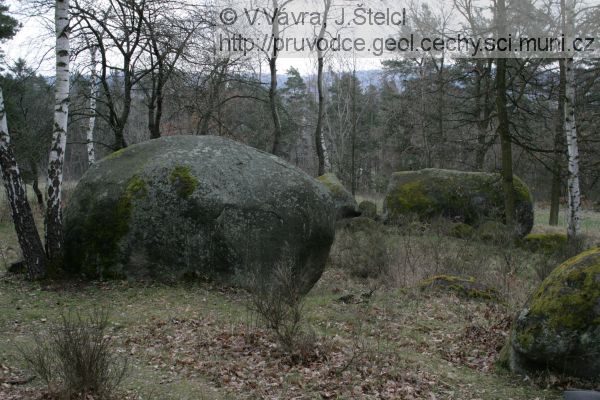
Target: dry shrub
75	358
364	254
276	297
403	255
549	262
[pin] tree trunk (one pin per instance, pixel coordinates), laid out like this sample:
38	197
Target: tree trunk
503	125
59	136
353	137
158	114
319	139
89	137
151	127
482	107
27	234
277	130
574	193
426	147
558	149
277	145
155	106
35	185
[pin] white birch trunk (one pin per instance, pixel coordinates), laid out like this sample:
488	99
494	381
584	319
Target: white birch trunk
322	155
27	234
89	137
574	193
574	214
59	135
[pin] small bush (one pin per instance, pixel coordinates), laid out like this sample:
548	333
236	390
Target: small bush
75	357
461	231
368	209
363	253
555	254
277	299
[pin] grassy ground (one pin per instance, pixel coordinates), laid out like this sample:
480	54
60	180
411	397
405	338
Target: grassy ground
190	342
200	342
590	222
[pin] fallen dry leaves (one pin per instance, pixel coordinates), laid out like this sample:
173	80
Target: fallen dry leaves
248	363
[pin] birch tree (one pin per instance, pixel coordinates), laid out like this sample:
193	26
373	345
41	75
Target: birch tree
94	91
319	139
574	193
27	234
59	136
278	7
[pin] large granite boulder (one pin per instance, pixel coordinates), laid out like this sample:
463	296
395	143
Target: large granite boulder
186	206
559	328
345	204
468	197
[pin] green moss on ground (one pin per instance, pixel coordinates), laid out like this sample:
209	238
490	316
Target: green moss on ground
463	286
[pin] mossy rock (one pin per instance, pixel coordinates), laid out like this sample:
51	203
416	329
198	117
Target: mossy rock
463	286
345	204
559	328
358	224
461	231
468	197
205	206
368	209
546	243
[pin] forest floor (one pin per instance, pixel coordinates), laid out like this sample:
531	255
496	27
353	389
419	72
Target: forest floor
197	341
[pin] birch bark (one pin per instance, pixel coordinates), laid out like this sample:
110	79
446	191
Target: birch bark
27	234
95	85
59	136
574	192
319	139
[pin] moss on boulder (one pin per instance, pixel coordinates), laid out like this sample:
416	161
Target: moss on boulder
468	197
368	209
546	243
463	286
345	204
196	206
559	328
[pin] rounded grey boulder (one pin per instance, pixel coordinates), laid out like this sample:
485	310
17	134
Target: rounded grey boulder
469	197
345	203
559	328
187	206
